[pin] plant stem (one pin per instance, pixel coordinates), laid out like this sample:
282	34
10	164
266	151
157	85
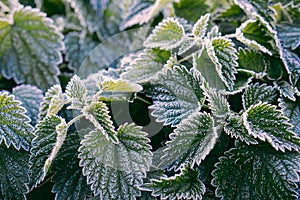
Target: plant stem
74	120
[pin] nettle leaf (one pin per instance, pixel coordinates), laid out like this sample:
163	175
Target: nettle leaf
98	114
69	183
52	103
76	92
115	171
167	35
200	27
15	126
186	185
256	172
258	93
191	141
289	35
49	136
223	54
14	176
176	95
292	64
31	98
291	109
146	66
265	122
30	48
286	90
235	128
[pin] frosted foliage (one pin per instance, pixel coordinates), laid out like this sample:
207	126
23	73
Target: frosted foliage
247	171
176	95
218	103
76	92
286	90
191	142
14	124
265	122
200	26
291	110
289	35
116	170
30	48
291	61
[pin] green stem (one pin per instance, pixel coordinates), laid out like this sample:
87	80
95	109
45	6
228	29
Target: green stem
74	120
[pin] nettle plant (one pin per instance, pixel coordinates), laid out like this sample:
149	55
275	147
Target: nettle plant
221	77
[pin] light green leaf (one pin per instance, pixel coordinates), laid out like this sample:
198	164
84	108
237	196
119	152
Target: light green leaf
223	54
98	114
200	27
76	92
49	136
191	141
146	66
176	95
189	44
14	176
258	93
167	35
14	124
265	122
115	171
30	48
286	90
186	185
256	172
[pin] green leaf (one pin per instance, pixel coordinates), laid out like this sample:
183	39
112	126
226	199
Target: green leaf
69	183
292	64
258	93
191	141
14	176
76	93
115	171
49	136
98	114
167	35
186	185
256	172
200	27
30	48
289	35
235	128
265	122
14	124
190	10
176	95
146	66
223	54
291	109
31	98
52	102
286	90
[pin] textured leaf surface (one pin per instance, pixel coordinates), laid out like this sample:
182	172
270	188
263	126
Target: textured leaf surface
116	170
200	26
224	56
31	98
292	63
291	109
252	62
265	122
76	93
14	124
167	35
14	176
191	142
289	35
286	90
30	48
176	95
256	172
146	66
186	185
258	93
45	146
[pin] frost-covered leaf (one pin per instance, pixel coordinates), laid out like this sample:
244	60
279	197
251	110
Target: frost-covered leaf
292	64
146	66
14	176
265	122
76	93
190	10
15	128
69	183
258	93
289	35
52	103
188	45
30	48
167	35
31	98
191	141
291	109
49	136
176	95
256	172
186	185
286	90
115	171
98	114
224	56
235	128
199	29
